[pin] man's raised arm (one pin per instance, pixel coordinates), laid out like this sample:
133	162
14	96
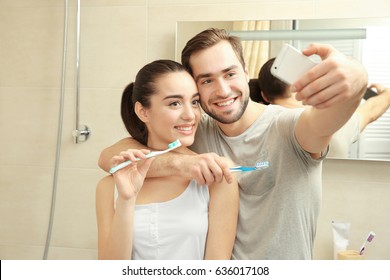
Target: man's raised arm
334	89
204	168
374	107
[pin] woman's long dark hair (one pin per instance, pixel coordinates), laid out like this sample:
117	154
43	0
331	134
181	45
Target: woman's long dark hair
140	91
271	86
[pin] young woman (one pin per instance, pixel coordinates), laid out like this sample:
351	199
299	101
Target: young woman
164	217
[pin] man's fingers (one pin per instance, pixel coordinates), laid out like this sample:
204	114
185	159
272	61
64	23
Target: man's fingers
323	50
225	170
211	168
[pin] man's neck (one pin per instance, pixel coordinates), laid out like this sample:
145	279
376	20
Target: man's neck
252	112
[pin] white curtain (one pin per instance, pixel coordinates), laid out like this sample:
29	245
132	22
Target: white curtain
256	53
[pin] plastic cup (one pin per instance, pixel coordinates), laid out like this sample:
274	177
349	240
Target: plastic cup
349	255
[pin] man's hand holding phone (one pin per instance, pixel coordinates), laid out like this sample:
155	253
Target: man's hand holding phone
335	79
291	64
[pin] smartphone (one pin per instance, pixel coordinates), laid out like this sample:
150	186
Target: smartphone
369	93
290	64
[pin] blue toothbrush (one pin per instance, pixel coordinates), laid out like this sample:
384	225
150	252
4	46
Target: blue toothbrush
258	166
171	146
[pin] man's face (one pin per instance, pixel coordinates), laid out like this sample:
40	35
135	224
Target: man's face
222	82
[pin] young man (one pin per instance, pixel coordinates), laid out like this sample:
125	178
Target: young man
279	206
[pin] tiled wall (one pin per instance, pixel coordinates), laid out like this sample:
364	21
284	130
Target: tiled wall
117	38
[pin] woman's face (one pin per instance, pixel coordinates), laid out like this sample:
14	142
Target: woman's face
174	112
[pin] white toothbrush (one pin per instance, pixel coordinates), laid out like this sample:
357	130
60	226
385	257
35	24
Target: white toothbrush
369	238
258	166
171	146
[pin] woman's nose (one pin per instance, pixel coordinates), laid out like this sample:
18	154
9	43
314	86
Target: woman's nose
188	112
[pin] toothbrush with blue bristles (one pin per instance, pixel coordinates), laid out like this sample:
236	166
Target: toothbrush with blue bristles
258	166
171	146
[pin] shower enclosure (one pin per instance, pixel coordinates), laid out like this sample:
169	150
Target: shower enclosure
61	74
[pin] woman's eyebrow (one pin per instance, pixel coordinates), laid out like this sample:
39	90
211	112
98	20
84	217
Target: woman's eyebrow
178	96
173	96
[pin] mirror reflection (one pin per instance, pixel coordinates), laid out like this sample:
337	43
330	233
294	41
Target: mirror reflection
364	39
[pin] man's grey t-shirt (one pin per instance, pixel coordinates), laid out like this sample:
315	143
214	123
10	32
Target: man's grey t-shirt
279	206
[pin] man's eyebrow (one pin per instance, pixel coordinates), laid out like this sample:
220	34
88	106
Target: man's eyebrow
201	76
207	75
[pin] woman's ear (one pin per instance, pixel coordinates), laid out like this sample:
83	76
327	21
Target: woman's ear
264	97
141	112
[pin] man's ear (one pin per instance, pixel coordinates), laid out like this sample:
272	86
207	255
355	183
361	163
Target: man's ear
246	70
141	112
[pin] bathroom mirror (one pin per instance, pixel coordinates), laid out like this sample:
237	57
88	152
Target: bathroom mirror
365	39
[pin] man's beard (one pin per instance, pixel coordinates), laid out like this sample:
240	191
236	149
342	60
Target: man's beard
227	117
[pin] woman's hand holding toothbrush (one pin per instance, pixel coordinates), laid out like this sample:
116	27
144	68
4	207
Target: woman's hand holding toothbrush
129	180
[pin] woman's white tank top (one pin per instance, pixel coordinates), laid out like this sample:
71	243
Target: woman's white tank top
172	230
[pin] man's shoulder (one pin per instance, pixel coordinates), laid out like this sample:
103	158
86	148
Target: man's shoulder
206	122
278	112
204	117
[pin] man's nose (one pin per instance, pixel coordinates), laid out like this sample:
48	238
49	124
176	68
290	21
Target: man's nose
223	88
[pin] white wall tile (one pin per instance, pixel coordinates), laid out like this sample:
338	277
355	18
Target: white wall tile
100	111
25	199
21	252
112	45
75	217
62	253
28	125
31	47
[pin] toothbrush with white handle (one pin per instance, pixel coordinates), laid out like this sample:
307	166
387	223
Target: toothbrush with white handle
258	166
171	146
369	238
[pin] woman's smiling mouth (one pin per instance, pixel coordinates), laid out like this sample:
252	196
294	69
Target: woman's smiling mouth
185	129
